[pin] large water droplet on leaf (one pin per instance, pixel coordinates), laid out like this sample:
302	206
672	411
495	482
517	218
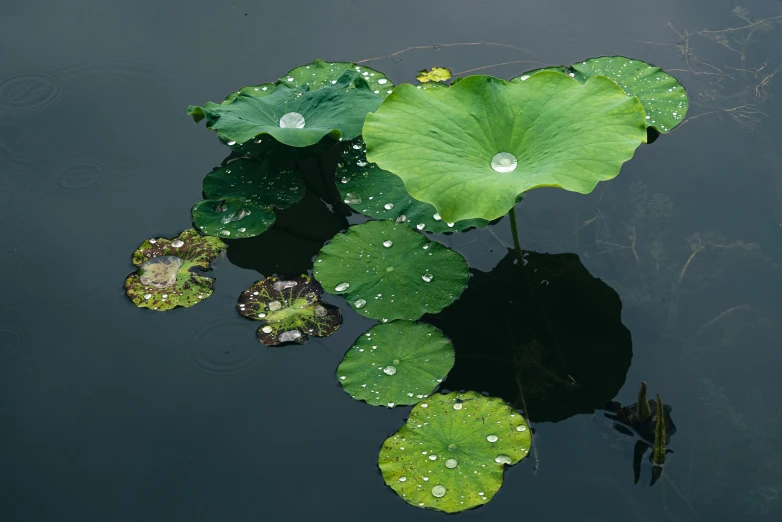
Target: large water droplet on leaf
292	120
389	370
504	162
438	491
502	459
342	287
451	463
160	271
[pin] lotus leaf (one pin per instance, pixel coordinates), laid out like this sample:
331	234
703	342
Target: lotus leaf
322	74
242	195
452	452
259	91
290	310
472	148
387	271
294	117
436	74
377	193
164	279
396	363
664	99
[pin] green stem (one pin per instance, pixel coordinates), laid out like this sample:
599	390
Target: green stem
515	231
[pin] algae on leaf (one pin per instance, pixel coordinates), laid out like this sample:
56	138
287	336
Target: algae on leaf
388	271
164	279
471	149
396	363
290	310
452	452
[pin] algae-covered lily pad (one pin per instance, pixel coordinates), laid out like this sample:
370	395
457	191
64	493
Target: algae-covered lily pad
295	117
375	192
242	195
472	148
452	452
388	271
436	74
396	363
164	279
322	74
664	99
289	309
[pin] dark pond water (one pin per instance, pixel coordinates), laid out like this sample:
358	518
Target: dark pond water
108	412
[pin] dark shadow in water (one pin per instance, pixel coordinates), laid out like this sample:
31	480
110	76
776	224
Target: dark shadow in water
550	331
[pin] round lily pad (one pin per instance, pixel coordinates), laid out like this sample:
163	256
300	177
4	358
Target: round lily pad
295	117
396	363
323	74
472	148
164	279
289	309
436	74
452	452
242	195
375	192
387	271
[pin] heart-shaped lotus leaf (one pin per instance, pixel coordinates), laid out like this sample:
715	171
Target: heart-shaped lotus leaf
472	148
295	117
322	74
289	309
259	91
452	452
436	74
375	192
164	279
664	99
242	195
396	363
388	271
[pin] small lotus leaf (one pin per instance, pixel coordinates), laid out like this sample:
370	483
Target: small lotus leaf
396	363
452	452
375	192
472	148
164	279
387	271
295	117
242	194
436	74
289	309
323	74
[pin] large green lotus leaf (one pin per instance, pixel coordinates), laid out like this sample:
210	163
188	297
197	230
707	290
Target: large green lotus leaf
375	192
296	117
259	91
242	195
164	279
396	363
452	452
663	97
388	271
289	309
322	74
472	148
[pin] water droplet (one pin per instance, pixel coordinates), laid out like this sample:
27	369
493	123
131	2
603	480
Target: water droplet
231	144
357	146
457	406
242	230
437	217
492	438
342	287
432	457
524	77
274	305
292	120
521	427
320	311
266	329
177	243
389	370
352	198
402	479
502	459
382	81
387	243
427	278
361	163
420	226
360	303
291	335
451	463
450	225
401	219
390	404
283	285
573	75
438	491
504	162
147	296
225	232
342	377
388	206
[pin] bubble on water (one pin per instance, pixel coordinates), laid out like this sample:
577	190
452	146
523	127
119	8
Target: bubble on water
292	120
427	278
388	206
342	287
438	491
492	438
504	162
360	303
502	459
451	463
389	370
388	243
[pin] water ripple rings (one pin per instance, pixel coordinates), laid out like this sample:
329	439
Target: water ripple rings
216	349
29	91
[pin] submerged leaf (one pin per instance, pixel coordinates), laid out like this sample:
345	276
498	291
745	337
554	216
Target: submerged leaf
295	117
322	74
387	271
472	148
436	74
452	452
375	192
396	363
242	195
289	309
164	279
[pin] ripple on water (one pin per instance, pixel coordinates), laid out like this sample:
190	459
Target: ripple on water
222	349
10	341
78	178
96	73
28	91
